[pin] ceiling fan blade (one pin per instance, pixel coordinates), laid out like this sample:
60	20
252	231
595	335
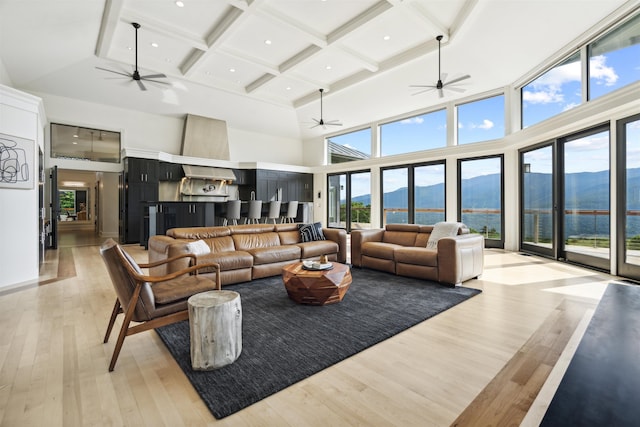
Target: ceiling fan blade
440	93
114	71
443	76
333	122
155	81
459	79
154	76
429	86
423	91
454	89
141	85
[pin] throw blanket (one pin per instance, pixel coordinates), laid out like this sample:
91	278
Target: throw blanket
440	230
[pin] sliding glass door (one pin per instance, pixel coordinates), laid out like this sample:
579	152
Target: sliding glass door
349	200
565	212
536	187
628	218
584	218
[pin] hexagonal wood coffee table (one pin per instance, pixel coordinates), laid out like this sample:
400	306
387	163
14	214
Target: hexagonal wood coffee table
316	287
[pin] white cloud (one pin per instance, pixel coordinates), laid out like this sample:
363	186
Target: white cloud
486	124
601	72
412	121
548	87
569	106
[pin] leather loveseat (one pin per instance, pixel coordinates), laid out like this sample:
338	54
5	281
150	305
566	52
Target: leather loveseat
245	252
402	249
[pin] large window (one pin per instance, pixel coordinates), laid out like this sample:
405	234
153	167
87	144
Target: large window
413	194
414	133
74	142
481	197
614	59
481	120
350	146
395	196
557	90
429	193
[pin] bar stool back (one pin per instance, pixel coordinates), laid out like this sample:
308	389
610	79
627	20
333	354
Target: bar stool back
255	211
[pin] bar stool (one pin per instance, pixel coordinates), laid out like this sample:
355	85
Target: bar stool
292	212
255	212
233	212
274	211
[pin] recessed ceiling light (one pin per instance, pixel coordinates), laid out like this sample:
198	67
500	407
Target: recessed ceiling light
385	38
208	73
168	60
328	67
179	3
268	42
154	44
288	87
232	70
75	142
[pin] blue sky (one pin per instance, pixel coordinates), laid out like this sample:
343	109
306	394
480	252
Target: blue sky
558	90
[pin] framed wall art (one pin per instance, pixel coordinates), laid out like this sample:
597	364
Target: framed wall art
16	162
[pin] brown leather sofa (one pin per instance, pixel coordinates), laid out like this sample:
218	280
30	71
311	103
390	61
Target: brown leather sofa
402	249
245	252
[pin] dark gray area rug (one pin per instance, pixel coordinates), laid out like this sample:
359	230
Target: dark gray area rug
283	342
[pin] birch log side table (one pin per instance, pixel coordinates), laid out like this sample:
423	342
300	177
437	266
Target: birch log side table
215	325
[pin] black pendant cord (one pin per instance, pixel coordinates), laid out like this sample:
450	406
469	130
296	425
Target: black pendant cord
136	75
321	116
439	38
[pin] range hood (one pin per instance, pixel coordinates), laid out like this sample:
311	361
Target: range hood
205	172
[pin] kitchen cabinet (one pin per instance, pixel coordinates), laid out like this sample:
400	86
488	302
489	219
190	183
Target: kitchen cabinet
184	214
171	172
288	185
140	186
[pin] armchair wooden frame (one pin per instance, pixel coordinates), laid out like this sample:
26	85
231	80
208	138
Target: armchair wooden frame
140	280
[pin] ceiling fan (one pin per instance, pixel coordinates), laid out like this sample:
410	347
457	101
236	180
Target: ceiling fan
440	85
321	122
136	74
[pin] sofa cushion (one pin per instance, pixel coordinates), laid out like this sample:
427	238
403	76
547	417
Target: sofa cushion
416	256
379	250
291	237
275	254
245	242
311	232
194	233
403	238
221	244
319	248
232	260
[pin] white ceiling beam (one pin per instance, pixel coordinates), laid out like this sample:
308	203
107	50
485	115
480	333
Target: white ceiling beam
365	61
164	29
305	31
352	25
112	10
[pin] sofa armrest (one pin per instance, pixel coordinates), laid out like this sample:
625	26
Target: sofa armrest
339	236
158	251
358	237
460	258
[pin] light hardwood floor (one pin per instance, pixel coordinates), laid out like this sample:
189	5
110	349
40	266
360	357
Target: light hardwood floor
493	360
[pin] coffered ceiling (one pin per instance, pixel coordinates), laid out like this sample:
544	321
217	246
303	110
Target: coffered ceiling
258	64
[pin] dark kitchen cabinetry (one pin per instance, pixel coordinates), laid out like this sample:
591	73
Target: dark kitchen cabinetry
140	186
172	172
284	185
184	214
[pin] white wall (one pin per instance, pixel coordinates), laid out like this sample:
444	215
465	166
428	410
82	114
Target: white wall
108	217
163	133
21	115
4	76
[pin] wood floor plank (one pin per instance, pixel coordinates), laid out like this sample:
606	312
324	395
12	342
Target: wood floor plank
53	364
